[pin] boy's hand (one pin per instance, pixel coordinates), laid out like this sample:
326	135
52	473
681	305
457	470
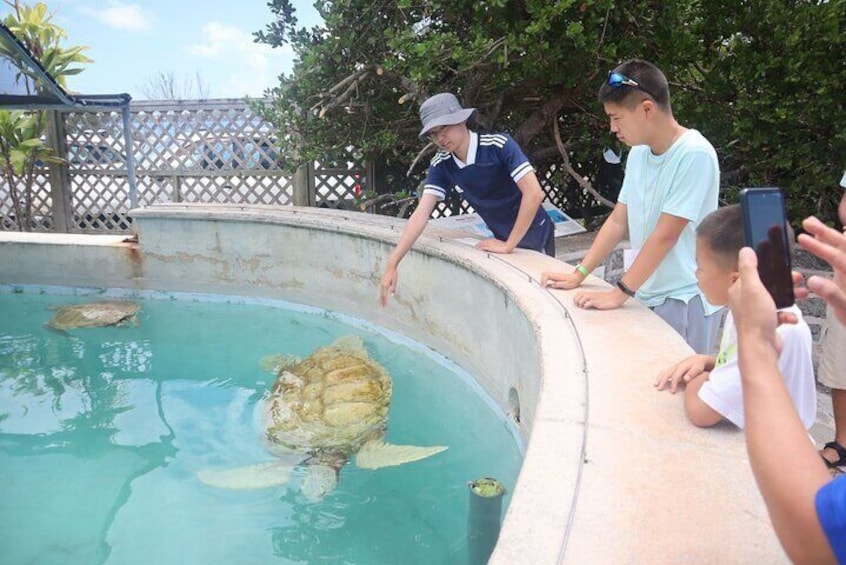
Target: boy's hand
600	300
684	372
566	281
388	284
494	246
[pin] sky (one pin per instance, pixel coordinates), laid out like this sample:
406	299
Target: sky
133	42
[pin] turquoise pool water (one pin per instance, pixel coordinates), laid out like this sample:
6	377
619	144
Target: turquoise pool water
103	430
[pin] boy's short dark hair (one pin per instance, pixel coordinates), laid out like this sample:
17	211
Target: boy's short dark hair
722	231
652	84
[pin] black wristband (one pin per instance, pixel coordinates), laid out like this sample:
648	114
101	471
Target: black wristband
622	286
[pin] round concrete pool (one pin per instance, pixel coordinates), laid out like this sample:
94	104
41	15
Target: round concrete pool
612	472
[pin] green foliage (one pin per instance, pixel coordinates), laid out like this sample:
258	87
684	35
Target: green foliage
19	140
21	133
33	25
762	79
775	88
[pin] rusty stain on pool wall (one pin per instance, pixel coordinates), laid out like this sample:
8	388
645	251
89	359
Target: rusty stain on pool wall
136	261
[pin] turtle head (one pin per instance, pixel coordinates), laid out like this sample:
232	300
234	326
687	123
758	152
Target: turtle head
277	362
319	481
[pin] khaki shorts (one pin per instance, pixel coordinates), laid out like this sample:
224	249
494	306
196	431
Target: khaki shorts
832	369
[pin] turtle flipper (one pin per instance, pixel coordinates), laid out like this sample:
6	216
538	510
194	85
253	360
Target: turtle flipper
377	454
261	475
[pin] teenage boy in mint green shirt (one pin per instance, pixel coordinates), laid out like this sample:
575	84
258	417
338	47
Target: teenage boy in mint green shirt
672	182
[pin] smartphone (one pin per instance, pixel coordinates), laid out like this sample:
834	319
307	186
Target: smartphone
766	229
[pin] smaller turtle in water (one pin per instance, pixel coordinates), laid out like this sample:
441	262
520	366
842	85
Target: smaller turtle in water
93	314
323	411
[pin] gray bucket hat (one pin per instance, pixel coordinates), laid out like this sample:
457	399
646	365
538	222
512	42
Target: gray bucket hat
442	110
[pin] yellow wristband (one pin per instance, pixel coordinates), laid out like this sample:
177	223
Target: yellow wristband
582	270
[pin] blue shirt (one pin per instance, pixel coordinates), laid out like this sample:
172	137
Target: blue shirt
831	510
488	181
684	182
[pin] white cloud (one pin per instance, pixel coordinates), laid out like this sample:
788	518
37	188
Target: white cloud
255	66
122	16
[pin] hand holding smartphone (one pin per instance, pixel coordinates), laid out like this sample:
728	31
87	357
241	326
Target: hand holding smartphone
765	227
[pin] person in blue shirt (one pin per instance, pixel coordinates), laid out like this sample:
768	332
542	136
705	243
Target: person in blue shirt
807	507
494	176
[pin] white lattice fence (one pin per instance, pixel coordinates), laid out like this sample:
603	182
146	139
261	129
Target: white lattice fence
212	152
340	181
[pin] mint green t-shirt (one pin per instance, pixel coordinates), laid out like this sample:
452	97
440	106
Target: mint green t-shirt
683	182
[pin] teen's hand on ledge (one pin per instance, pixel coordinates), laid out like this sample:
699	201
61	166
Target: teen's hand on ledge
683	372
565	281
600	299
494	246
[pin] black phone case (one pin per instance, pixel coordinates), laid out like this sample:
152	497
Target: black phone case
779	283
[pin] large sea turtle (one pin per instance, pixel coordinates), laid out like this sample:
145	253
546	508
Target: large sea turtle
322	411
93	314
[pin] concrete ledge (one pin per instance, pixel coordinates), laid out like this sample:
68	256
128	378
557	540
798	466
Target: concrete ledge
613	471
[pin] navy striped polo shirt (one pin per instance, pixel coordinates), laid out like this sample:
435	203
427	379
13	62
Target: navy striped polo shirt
488	181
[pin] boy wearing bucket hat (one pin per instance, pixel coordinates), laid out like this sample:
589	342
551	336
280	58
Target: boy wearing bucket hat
495	177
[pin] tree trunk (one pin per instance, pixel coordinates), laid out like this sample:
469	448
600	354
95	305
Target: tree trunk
540	119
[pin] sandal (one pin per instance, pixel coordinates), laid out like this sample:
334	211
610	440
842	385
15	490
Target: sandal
841	455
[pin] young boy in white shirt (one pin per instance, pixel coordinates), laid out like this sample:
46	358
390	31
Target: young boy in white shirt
713	389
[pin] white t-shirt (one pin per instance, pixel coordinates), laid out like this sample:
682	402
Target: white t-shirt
723	391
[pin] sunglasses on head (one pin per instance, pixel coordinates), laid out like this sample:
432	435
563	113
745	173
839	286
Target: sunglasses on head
616	80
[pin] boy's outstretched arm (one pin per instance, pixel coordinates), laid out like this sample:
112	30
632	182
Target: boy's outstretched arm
612	232
416	223
656	247
787	467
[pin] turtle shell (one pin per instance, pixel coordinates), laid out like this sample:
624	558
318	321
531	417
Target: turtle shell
92	314
334	400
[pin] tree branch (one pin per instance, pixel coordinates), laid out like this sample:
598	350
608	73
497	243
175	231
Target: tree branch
544	155
344	96
565	155
536	122
349	85
430	147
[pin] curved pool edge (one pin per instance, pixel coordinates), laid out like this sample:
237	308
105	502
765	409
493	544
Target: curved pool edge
612	471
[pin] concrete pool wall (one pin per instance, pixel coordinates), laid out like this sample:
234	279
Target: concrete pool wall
613	471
